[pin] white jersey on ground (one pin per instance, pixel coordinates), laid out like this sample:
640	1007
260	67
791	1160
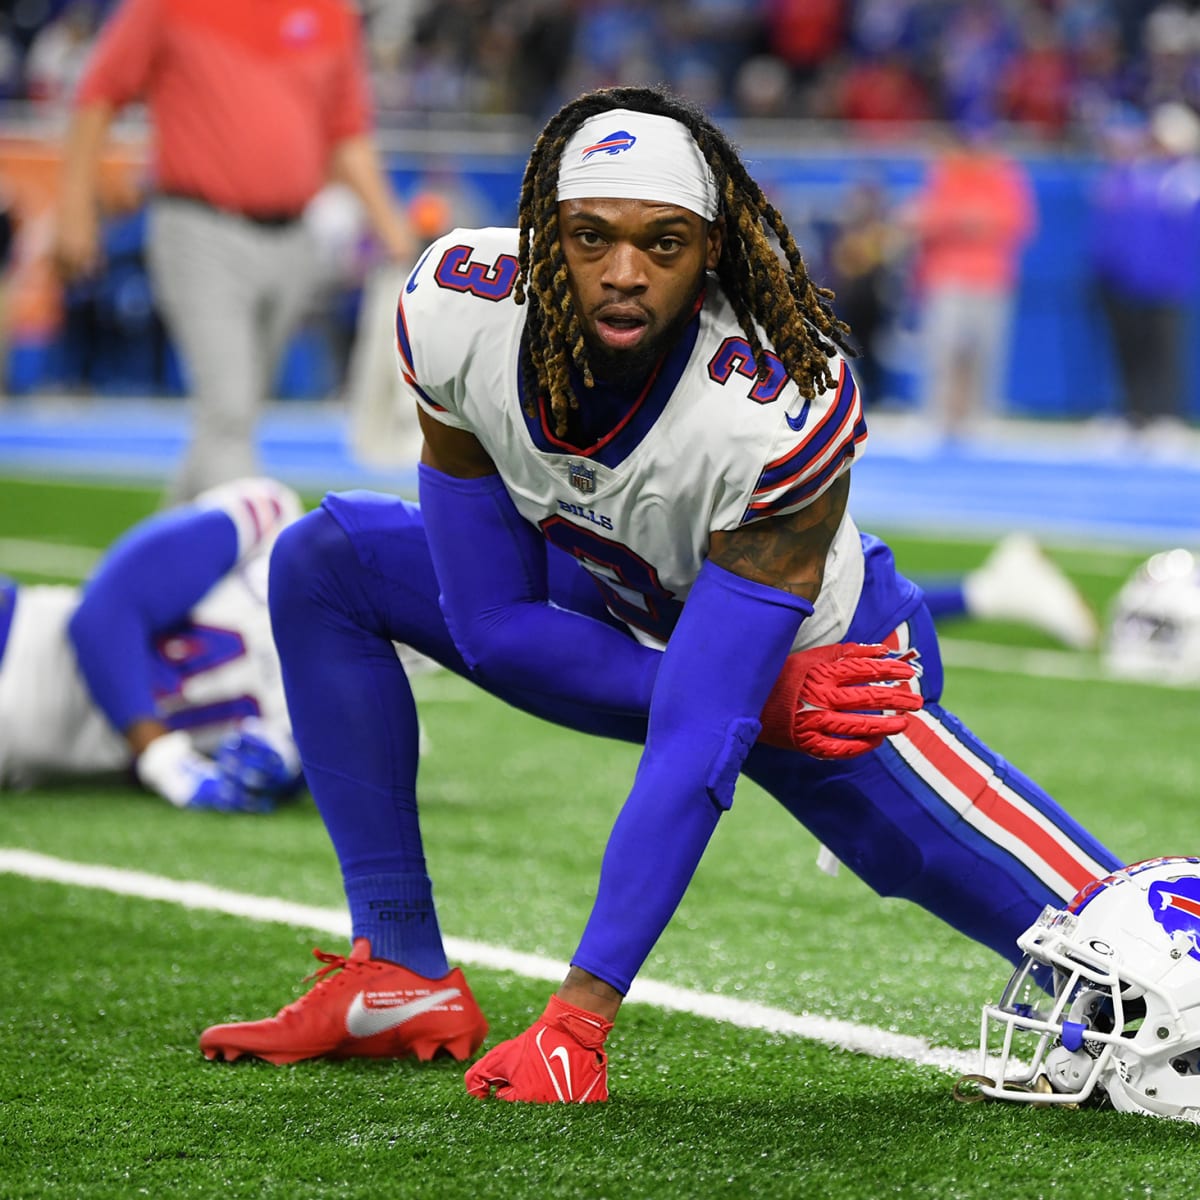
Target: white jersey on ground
708	447
212	671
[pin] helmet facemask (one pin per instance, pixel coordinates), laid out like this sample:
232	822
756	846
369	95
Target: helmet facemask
1105	1005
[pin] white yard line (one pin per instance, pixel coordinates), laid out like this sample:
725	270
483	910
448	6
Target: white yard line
844	1035
1013	660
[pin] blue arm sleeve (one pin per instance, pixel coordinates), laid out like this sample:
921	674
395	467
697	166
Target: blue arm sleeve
710	689
491	569
146	584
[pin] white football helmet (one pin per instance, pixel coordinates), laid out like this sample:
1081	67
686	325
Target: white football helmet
1154	628
1106	1003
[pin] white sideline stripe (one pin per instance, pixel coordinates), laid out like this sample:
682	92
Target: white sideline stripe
843	1035
59	558
47	558
1012	660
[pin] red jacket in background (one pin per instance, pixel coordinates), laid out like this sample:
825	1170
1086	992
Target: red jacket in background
247	97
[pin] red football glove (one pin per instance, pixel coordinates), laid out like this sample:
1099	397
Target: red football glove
838	701
559	1059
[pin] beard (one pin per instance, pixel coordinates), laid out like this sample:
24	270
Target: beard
630	367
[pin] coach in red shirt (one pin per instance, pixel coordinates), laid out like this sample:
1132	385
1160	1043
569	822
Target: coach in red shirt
254	104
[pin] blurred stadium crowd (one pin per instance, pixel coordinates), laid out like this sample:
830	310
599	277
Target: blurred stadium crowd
1060	136
1056	69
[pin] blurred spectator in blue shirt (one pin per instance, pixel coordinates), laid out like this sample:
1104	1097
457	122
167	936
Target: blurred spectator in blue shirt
1143	244
974	50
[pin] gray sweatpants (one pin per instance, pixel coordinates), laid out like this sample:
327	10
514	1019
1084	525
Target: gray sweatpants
966	335
231	294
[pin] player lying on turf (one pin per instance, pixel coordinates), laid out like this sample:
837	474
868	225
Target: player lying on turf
163	662
638	376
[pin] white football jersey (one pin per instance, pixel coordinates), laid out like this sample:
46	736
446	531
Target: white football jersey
211	672
708	446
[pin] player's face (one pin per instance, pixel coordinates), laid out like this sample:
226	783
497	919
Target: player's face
636	268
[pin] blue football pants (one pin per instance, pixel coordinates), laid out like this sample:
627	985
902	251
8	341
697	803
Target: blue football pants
933	815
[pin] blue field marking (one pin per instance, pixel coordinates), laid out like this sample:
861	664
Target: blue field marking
303	444
1044	480
1140	503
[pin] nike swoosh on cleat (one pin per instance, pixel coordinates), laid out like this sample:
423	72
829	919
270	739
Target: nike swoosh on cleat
364	1022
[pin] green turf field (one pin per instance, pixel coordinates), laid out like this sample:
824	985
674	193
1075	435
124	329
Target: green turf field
103	1092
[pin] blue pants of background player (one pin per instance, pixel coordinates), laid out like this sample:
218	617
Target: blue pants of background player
933	815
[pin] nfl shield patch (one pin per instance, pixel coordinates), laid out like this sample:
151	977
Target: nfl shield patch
582	477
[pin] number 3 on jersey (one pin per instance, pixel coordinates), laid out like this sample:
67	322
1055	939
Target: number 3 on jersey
458	272
627	581
734	357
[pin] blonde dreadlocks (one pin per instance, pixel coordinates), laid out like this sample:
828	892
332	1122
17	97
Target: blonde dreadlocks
763	289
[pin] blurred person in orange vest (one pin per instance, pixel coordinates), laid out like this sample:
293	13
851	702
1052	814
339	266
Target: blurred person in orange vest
253	107
970	223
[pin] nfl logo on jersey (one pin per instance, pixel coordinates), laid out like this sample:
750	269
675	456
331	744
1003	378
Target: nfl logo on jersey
582	477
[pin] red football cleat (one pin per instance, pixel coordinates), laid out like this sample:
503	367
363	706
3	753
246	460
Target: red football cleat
362	1007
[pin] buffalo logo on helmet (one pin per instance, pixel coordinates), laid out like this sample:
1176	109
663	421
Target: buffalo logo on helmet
1176	907
614	143
1092	889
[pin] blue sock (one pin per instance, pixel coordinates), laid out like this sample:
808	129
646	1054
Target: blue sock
945	599
335	618
396	914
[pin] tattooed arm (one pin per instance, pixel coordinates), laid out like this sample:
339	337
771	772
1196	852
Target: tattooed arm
786	552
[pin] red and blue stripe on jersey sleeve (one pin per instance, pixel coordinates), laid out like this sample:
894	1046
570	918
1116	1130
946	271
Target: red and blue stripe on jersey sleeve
407	370
805	470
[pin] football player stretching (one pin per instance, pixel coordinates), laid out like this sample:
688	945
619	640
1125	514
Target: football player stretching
644	377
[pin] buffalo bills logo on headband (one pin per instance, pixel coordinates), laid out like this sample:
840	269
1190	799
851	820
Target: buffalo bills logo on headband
613	144
1176	907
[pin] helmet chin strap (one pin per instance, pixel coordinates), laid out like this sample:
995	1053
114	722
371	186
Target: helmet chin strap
1068	1067
969	1089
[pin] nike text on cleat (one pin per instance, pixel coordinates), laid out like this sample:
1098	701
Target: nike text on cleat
360	1007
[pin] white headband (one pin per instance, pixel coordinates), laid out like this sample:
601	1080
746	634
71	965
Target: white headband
627	155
